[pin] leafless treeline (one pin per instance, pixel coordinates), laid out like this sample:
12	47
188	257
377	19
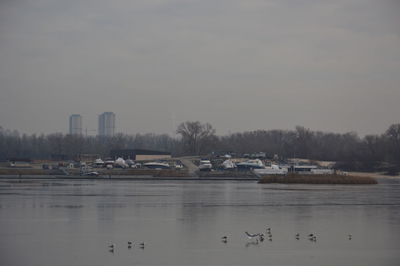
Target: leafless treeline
372	152
15	145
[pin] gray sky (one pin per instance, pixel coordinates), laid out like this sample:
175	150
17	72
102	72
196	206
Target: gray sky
239	65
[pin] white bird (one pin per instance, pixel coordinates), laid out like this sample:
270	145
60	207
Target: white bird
251	236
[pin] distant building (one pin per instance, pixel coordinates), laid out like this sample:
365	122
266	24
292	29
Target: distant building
75	125
107	124
139	154
87	157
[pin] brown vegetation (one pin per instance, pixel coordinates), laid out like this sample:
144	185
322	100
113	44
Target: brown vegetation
319	179
23	171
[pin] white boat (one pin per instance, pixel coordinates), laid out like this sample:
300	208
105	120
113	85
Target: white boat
92	173
129	162
228	165
120	163
109	163
250	164
157	165
205	165
310	169
322	171
271	170
98	163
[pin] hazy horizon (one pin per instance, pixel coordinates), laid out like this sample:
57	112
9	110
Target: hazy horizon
239	65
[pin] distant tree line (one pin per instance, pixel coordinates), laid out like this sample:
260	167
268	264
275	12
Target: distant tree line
15	145
351	152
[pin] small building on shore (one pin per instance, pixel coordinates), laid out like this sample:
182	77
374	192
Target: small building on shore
140	154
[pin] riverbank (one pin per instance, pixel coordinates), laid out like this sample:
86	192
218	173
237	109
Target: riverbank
319	179
185	174
101	171
125	178
374	175
128	174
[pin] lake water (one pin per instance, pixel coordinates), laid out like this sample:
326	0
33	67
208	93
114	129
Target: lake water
72	222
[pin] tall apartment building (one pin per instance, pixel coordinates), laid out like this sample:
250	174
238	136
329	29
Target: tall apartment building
107	124
75	124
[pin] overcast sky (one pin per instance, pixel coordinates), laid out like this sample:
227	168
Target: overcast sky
237	64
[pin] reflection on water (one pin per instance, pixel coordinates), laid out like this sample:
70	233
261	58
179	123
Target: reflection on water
74	222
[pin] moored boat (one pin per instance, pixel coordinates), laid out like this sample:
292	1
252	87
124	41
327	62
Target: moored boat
157	165
250	165
271	170
205	165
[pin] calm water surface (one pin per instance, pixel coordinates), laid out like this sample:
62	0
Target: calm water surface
68	222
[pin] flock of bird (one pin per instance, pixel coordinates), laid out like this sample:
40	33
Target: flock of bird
260	237
112	246
254	238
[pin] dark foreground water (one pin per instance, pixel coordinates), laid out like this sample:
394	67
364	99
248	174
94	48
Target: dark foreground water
73	222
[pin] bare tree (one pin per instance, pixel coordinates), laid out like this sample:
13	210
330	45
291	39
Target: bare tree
195	135
393	137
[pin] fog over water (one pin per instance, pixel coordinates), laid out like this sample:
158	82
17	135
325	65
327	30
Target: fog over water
239	65
72	222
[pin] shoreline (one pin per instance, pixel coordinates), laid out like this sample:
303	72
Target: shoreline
162	177
124	178
318	179
374	175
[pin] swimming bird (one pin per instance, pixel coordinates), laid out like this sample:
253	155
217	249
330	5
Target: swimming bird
111	248
251	236
312	238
